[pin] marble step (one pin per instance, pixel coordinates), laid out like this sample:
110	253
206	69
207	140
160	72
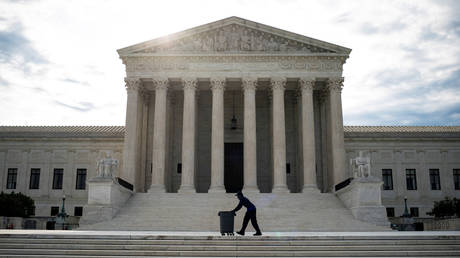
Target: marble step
310	211
138	244
187	247
221	253
223	242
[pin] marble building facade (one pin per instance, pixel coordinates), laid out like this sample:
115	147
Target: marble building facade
228	105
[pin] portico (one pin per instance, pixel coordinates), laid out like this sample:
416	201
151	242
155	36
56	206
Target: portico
283	89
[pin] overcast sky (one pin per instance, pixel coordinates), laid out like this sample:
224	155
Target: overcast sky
59	66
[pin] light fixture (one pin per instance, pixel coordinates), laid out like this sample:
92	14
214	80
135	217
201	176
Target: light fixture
233	118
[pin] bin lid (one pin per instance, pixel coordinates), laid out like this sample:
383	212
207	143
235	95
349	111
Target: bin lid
225	213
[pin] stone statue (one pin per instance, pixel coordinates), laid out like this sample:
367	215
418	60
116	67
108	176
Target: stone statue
106	167
245	41
361	166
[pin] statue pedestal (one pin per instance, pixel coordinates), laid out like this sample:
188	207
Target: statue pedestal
105	199
363	197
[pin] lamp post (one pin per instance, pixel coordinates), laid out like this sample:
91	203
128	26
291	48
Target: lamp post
62	215
406	213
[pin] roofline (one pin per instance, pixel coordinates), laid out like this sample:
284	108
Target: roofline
233	19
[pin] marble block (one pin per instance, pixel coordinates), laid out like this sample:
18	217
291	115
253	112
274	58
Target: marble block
363	197
105	198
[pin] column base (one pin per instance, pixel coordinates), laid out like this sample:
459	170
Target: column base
217	189
280	189
186	189
157	189
310	188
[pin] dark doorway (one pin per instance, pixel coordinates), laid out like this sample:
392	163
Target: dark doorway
233	171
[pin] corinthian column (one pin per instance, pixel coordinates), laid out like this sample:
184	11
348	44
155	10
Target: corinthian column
188	137
336	125
279	136
130	147
250	142
308	134
217	136
159	136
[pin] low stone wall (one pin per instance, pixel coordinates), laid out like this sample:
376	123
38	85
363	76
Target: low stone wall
432	224
72	222
442	225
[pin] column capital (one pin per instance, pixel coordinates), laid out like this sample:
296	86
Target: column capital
133	83
217	83
161	83
190	83
278	83
335	84
249	83
306	84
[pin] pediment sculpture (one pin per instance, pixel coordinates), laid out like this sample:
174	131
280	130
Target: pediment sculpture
235	38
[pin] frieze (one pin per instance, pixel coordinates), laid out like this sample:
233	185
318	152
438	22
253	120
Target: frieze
235	38
154	64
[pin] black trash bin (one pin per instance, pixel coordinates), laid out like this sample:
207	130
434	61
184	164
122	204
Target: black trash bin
226	222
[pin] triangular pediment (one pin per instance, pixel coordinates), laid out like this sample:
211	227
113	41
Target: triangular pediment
233	35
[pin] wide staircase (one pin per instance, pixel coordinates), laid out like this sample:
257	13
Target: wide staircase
300	212
106	244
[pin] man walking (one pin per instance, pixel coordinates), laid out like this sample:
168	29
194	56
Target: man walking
250	214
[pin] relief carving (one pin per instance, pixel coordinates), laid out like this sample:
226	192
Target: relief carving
236	38
180	63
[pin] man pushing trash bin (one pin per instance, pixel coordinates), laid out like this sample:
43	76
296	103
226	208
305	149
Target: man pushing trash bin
250	214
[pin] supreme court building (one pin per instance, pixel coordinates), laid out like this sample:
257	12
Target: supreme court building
232	105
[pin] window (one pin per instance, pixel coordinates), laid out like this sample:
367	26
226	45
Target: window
12	178
390	212
414	212
81	179
435	182
57	178
457	178
54	210
387	176
78	211
34	178
411	179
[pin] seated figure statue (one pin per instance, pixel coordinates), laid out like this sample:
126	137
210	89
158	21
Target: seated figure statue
106	167
361	166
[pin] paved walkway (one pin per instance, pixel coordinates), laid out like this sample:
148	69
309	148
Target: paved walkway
189	233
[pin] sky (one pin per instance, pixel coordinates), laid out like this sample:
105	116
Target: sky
59	65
